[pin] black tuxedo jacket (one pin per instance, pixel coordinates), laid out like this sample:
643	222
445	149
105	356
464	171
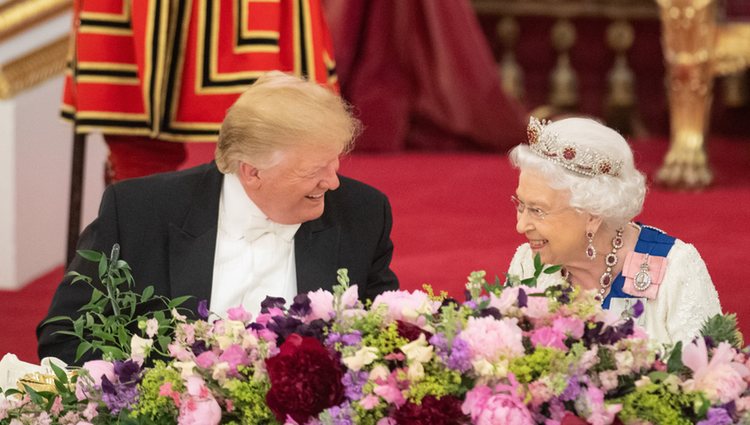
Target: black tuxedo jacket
166	226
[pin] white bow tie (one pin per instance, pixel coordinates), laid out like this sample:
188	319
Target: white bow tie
259	228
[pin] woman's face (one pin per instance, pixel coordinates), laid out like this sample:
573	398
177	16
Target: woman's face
553	228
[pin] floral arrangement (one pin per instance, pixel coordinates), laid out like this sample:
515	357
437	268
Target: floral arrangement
511	354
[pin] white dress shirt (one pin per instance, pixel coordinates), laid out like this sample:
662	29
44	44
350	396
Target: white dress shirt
254	256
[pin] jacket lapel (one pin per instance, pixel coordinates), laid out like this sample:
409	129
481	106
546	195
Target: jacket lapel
192	244
316	247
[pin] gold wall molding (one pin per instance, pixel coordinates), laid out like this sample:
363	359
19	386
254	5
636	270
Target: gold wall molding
17	15
33	68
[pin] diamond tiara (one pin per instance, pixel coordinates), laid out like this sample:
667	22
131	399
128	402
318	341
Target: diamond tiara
581	160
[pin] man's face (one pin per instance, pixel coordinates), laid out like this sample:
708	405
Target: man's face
292	191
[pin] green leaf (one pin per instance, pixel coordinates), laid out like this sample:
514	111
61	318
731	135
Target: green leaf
57	319
674	364
147	293
552	269
94	256
59	373
103	268
36	397
164	342
537	262
83	347
178	301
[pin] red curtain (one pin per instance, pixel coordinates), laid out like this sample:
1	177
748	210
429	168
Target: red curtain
421	76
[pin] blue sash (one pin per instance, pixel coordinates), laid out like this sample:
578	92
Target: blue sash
651	241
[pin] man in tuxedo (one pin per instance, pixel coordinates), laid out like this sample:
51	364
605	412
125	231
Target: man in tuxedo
270	216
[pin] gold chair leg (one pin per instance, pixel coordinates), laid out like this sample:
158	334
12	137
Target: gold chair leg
688	37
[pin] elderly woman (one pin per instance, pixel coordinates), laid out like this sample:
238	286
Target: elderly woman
578	191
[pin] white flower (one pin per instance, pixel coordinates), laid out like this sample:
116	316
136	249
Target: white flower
361	358
177	316
416	371
418	350
185	368
379	372
139	348
152	327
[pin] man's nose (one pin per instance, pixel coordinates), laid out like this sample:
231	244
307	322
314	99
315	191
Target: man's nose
331	179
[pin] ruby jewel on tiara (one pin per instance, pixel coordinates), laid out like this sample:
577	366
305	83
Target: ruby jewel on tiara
581	160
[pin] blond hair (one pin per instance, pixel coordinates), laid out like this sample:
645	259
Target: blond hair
278	112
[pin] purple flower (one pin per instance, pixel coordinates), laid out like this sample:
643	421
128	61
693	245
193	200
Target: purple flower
637	309
491	312
523	299
199	347
301	306
203	309
272	302
118	396
353	383
572	390
717	416
460	357
340	415
128	371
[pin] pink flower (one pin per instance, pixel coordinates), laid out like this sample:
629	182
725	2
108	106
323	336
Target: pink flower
598	413
369	402
90	411
96	369
405	306
179	352
57	406
206	359
390	393
490	339
486	408
548	337
166	391
721	379
239	313
508	299
350	297
321	304
197	411
570	326
235	356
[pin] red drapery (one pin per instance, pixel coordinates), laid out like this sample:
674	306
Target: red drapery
421	75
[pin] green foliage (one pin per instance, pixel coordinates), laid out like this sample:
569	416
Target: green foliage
530	367
660	402
438	381
108	321
723	328
249	399
152	406
539	269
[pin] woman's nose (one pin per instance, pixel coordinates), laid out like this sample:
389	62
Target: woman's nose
523	224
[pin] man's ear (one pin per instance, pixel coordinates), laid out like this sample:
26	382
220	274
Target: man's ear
248	175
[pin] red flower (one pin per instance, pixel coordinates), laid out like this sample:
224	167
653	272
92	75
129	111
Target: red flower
411	332
572	419
305	379
432	411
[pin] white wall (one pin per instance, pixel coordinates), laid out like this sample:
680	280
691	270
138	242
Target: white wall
35	166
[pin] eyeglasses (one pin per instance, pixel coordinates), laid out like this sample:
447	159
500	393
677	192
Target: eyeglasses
534	212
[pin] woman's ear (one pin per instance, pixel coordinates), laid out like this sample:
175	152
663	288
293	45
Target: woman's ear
248	175
593	223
